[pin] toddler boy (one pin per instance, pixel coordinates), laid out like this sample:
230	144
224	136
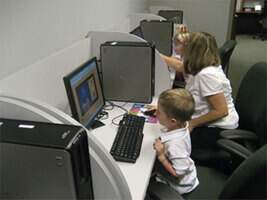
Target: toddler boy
173	148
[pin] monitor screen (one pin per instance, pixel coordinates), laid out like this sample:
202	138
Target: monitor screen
160	33
84	92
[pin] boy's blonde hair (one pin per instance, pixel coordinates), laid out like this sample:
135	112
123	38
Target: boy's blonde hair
200	52
177	103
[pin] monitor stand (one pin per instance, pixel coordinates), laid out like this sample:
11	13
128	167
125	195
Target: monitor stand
96	124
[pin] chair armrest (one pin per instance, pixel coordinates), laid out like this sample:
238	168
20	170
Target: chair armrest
234	148
238	134
160	191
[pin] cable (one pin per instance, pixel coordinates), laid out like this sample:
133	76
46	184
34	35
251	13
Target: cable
122	108
109	107
113	120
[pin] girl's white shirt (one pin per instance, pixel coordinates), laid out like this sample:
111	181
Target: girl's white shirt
210	81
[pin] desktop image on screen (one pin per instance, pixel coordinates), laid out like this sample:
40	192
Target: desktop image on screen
85	94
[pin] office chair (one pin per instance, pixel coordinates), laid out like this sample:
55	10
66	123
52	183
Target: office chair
225	52
248	181
251	105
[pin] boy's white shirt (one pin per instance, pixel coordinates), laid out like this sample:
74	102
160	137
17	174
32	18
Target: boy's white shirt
178	149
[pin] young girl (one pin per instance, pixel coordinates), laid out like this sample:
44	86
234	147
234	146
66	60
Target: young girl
179	41
210	88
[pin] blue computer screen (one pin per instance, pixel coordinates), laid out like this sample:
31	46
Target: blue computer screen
84	92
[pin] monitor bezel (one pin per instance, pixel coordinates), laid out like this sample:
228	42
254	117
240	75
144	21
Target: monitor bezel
70	95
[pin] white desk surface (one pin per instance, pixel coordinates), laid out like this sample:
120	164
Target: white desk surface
137	175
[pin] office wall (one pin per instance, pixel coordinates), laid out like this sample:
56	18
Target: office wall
213	16
32	30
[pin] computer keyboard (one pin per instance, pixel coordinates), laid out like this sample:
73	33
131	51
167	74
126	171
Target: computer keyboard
128	141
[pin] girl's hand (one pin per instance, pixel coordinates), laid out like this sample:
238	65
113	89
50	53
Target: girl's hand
183	34
182	29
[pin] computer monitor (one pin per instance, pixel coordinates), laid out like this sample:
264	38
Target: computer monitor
160	33
85	94
138	32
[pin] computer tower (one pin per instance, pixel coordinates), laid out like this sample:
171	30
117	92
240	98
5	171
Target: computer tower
160	33
176	16
44	161
128	71
138	32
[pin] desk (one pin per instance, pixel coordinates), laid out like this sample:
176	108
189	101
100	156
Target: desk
137	175
248	22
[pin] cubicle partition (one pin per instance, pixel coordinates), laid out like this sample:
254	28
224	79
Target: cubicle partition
108	181
37	93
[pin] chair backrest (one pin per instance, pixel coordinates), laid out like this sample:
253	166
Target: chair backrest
225	52
251	101
249	180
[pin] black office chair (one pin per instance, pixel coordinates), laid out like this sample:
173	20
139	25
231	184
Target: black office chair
248	181
251	105
225	52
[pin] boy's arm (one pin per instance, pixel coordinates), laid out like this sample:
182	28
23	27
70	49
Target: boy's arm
167	165
160	150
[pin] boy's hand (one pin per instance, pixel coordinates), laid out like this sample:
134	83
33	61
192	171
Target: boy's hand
151	110
151	107
159	147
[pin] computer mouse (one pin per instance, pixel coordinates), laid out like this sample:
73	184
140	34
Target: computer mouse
151	112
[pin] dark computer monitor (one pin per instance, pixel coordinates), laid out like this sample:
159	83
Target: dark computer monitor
85	94
138	32
160	33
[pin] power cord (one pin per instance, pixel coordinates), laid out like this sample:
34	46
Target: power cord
109	106
113	120
122	108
